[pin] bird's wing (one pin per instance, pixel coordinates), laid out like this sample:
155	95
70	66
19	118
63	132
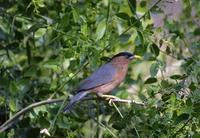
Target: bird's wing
101	76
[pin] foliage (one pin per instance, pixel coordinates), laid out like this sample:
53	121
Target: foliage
48	47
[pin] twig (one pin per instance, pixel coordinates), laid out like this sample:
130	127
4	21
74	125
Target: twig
8	123
98	127
11	121
128	101
104	126
117	109
142	16
184	125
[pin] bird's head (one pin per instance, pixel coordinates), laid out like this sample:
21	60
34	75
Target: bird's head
125	57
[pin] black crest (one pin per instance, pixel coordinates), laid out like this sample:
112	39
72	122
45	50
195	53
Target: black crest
126	54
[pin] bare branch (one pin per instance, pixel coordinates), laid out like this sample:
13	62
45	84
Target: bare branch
12	120
8	123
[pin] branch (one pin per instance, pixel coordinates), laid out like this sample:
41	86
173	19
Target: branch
142	16
184	125
12	120
9	122
127	101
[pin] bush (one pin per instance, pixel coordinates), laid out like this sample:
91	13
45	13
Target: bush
48	47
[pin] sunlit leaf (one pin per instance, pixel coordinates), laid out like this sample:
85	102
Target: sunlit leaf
101	29
84	30
75	16
124	38
12	105
40	32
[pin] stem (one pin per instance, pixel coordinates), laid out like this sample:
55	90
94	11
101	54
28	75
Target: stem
98	127
8	123
12	120
142	16
184	125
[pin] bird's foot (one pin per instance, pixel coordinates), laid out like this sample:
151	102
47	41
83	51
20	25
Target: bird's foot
110	98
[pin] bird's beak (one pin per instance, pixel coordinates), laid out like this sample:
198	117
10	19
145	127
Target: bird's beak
137	57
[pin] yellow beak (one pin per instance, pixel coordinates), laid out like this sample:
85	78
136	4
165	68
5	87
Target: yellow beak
137	57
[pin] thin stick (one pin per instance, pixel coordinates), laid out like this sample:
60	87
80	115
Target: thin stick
141	17
98	127
11	121
117	110
184	125
8	123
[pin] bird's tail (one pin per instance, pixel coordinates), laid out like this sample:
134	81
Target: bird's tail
79	96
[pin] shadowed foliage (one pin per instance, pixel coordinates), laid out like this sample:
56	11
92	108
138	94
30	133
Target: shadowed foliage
48	47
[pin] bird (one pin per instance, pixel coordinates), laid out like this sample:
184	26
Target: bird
104	79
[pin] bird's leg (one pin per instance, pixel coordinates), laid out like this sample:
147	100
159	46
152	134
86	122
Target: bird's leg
108	97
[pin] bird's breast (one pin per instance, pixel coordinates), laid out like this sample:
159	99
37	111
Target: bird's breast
117	79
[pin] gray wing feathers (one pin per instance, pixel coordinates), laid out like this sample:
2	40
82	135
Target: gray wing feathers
79	96
101	76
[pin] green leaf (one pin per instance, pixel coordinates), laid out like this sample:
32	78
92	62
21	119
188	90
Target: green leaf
84	30
55	68
12	105
40	3
132	4
123	16
135	22
75	16
40	32
141	38
178	77
154	69
3	134
28	53
2	100
63	123
31	71
150	80
4	25
165	84
154	49
101	29
140	50
168	51
35	27
124	38
143	3
65	20
13	88
119	125
192	87
182	117
197	31
197	135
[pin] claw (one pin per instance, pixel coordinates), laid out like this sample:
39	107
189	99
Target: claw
108	96
110	102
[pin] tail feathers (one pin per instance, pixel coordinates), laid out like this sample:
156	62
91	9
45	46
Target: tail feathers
79	96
